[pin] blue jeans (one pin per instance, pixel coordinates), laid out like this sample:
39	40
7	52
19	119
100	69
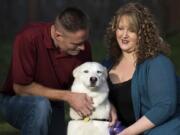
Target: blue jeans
33	115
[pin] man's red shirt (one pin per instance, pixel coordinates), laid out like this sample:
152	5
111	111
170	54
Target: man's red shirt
36	59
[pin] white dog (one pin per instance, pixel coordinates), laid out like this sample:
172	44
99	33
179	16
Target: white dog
90	78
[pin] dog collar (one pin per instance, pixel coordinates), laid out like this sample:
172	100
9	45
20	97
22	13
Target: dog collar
87	119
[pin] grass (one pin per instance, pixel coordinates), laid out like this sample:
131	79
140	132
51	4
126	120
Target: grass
99	52
6	129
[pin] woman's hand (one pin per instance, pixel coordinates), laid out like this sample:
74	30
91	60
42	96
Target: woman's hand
113	116
126	132
138	127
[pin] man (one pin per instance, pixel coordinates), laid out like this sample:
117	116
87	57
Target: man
43	58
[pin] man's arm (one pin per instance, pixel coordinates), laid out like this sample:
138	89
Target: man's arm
79	101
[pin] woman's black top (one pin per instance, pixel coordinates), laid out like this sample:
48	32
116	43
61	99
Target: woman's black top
120	96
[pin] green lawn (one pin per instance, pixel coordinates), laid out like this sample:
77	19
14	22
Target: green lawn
6	129
98	54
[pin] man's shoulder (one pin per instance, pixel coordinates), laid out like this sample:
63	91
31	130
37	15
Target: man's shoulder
32	31
34	28
38	24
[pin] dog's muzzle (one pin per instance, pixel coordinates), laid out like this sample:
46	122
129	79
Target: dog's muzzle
93	80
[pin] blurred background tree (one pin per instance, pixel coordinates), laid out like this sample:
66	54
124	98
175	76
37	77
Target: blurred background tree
16	13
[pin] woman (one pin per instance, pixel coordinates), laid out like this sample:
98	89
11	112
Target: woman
142	79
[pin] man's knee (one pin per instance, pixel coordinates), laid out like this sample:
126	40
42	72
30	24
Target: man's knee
39	115
42	109
42	104
27	112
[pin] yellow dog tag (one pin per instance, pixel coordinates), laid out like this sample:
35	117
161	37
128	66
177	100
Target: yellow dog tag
86	119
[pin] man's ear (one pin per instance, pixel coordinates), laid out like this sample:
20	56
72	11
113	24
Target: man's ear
56	32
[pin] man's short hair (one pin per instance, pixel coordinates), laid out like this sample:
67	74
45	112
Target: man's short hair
72	19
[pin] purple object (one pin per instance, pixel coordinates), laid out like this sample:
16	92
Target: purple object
117	128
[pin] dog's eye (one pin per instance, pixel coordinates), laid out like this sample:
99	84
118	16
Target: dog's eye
86	71
99	72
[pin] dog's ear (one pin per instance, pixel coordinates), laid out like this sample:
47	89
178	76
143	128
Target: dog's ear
105	72
76	71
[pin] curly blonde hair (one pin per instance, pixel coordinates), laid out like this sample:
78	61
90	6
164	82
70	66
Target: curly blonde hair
142	22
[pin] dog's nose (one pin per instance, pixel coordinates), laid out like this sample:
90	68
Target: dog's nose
93	79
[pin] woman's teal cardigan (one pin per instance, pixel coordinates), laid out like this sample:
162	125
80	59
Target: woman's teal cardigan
155	92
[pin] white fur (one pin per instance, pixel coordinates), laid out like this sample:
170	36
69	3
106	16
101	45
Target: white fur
99	93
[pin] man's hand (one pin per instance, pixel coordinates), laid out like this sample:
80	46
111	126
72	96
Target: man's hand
81	103
113	116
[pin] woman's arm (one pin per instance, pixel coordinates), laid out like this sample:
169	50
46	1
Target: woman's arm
161	92
138	127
